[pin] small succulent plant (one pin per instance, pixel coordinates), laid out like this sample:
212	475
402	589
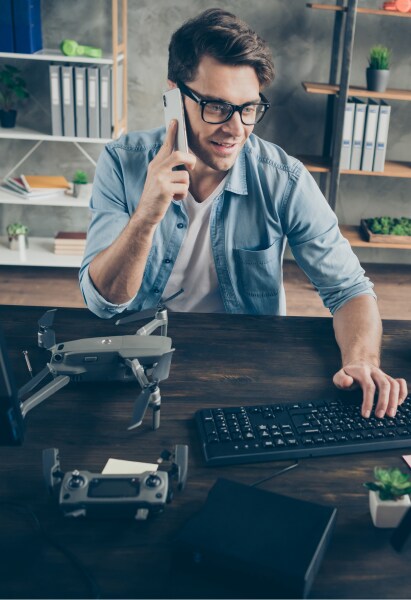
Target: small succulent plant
391	484
15	229
80	177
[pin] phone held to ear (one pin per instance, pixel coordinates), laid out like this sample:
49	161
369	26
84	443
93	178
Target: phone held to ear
174	109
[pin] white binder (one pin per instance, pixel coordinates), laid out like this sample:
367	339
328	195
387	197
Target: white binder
105	101
369	136
55	100
382	135
80	101
347	135
358	134
93	102
68	101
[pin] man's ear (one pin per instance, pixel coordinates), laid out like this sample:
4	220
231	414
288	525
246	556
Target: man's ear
171	84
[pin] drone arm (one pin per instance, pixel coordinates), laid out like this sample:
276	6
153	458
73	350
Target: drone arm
161	320
45	392
30	385
138	371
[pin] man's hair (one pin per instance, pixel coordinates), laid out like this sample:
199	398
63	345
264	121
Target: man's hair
221	35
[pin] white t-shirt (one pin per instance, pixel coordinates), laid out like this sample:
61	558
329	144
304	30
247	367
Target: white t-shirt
194	269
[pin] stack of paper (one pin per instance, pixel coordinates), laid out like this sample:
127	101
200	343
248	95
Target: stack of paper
70	242
35	186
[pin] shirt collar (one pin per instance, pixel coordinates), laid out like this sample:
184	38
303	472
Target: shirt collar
237	182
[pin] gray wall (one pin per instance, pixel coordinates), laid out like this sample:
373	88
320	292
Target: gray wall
300	40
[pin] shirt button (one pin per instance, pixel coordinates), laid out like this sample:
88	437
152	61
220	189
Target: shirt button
180	225
167	261
156	291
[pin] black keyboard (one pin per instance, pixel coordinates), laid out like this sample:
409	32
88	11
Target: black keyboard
247	434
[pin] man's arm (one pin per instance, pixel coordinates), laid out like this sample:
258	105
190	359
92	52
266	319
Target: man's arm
117	271
358	330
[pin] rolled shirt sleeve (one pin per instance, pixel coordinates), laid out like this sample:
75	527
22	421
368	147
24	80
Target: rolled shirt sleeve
109	216
318	247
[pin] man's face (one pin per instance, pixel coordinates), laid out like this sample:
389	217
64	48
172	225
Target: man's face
217	146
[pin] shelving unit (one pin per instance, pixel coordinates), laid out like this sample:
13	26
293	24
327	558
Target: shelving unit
338	89
41	249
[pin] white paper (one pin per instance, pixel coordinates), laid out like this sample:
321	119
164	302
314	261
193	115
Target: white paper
115	466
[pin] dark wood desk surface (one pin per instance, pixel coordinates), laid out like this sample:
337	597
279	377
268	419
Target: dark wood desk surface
219	360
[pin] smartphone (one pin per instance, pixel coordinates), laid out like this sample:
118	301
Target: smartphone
174	109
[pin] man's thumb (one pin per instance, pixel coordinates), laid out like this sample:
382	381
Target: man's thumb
342	380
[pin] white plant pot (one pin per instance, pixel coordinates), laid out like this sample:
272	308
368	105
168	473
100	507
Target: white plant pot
387	513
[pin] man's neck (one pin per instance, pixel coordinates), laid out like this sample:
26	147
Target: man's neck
203	181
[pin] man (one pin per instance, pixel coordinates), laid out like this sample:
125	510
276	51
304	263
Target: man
218	228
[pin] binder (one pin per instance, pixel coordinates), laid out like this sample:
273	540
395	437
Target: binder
80	101
118	92
93	102
358	134
68	101
369	136
347	135
381	138
55	100
27	26
6	27
105	101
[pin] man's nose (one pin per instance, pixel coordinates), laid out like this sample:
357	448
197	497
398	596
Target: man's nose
234	125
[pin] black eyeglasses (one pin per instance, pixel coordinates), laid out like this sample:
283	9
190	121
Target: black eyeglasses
216	111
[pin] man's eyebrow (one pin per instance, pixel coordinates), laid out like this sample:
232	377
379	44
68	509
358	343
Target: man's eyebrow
217	99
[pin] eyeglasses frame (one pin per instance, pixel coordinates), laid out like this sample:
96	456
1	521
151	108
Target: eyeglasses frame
234	107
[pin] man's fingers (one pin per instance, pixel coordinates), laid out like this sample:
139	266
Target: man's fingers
169	141
368	391
181	158
384	393
403	390
394	397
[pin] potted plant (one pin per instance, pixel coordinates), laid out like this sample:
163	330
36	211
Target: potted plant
12	90
80	178
14	230
378	71
388	496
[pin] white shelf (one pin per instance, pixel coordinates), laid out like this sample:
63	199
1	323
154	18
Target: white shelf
58	56
57	199
39	254
23	133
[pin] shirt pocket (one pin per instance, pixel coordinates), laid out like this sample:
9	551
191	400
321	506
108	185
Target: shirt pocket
259	271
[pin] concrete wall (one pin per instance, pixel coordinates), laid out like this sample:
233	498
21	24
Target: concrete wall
300	40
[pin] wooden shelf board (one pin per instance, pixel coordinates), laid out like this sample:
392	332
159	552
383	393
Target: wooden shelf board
317	164
353	235
57	199
24	133
57	56
359	91
39	254
362	10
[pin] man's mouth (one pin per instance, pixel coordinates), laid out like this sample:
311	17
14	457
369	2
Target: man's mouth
223	144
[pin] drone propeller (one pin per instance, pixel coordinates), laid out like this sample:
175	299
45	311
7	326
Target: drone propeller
162	369
149	312
46	335
160	372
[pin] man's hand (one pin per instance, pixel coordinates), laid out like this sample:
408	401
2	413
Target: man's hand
391	392
163	184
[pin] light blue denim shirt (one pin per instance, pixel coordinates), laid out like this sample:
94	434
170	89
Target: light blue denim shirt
269	197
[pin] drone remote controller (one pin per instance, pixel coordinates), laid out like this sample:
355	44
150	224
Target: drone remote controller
82	493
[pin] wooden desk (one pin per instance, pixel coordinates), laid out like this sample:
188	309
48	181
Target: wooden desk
219	359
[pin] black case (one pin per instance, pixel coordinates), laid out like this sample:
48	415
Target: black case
259	542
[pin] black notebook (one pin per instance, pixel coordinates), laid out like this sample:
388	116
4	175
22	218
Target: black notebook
275	542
